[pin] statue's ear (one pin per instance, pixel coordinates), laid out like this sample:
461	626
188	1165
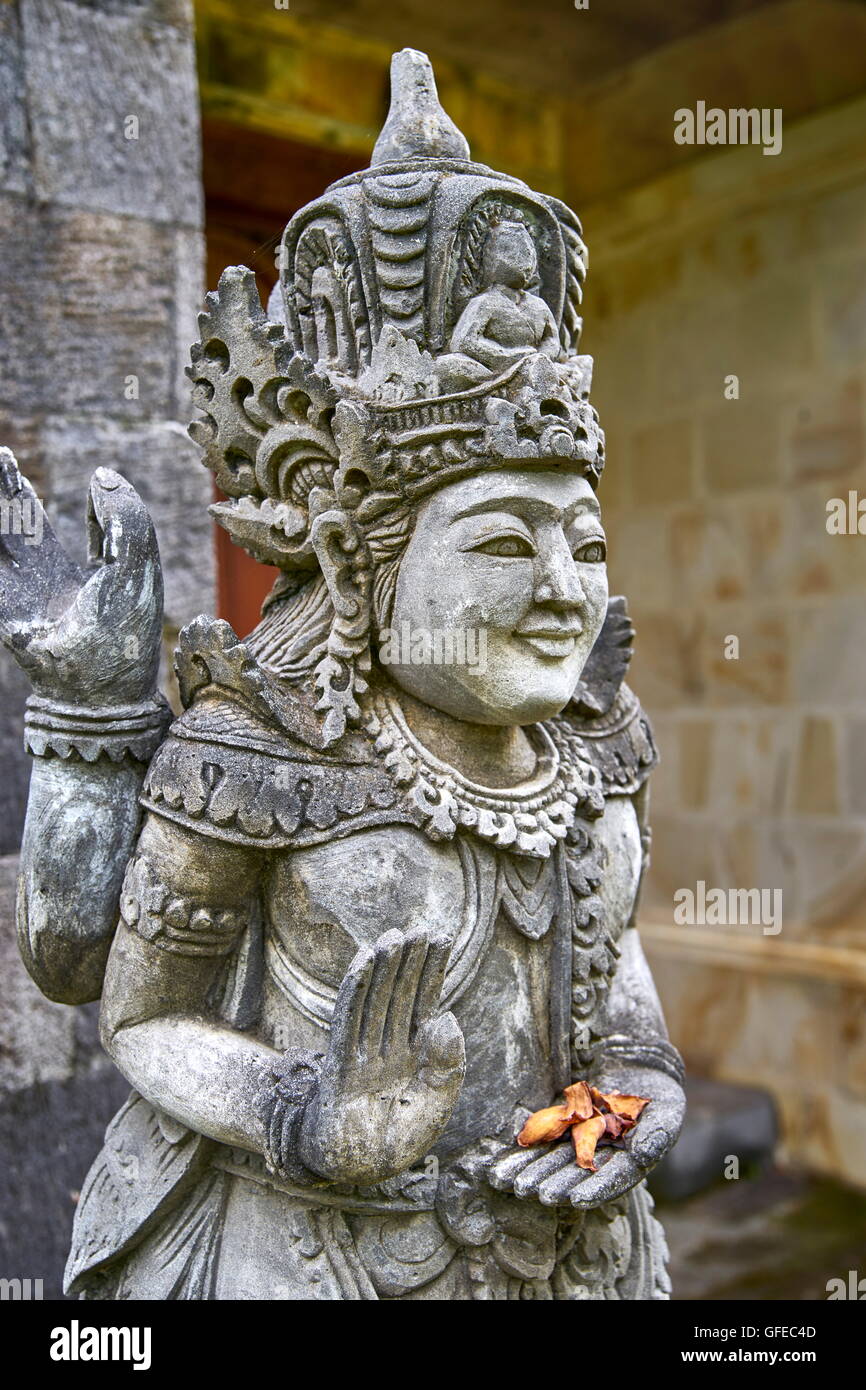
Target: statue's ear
345	564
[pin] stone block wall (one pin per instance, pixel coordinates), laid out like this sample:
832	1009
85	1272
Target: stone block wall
101	268
716	508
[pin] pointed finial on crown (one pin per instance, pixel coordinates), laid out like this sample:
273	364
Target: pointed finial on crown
417	127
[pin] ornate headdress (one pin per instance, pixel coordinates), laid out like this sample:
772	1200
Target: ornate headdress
425	328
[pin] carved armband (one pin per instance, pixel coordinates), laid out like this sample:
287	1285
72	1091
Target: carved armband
62	730
281	1105
183	924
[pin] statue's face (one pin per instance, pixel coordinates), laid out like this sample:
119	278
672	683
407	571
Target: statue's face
505	573
509	256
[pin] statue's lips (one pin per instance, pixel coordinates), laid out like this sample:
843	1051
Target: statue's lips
556	642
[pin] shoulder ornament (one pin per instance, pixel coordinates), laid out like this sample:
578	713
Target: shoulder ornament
605	722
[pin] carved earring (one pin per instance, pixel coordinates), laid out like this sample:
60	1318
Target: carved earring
340	675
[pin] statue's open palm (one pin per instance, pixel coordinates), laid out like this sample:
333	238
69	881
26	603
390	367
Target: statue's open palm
82	637
394	1066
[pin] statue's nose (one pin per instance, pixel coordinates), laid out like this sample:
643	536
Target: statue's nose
558	584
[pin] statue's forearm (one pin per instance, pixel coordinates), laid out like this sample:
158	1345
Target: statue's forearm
632	1027
79	833
206	1075
185	903
364	1112
221	1083
158	1020
82	818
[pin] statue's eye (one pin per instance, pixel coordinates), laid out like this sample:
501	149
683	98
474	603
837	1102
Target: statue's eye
591	552
508	547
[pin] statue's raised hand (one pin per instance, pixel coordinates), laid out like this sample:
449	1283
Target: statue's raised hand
84	638
394	1066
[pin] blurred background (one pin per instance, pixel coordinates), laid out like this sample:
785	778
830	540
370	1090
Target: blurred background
146	144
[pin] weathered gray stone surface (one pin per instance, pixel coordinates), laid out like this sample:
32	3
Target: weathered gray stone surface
38	1199
87	72
102	259
22	375
380	909
89	302
37	1037
58	1091
14	142
188	258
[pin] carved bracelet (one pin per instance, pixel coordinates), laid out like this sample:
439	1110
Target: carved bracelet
280	1105
53	727
656	1053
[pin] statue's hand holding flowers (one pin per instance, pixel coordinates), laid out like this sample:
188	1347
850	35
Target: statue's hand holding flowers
570	1172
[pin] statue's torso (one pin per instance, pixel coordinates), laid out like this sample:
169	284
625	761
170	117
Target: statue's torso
322	903
319	905
533	893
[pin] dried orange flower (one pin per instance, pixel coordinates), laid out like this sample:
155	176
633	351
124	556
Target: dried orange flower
586	1136
552	1123
594	1117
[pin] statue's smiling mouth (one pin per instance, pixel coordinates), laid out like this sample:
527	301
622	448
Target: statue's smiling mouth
552	642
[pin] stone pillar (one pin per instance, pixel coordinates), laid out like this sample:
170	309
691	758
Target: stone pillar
101	256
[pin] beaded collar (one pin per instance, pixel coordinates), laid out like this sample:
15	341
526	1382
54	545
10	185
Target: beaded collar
528	818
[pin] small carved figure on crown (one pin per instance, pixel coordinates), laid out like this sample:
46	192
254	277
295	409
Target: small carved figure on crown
506	319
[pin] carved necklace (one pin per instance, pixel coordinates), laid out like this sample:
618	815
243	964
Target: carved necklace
529	818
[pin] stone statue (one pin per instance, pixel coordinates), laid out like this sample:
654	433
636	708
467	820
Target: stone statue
352	921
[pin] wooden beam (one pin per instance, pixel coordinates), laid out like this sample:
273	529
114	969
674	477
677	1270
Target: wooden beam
755	955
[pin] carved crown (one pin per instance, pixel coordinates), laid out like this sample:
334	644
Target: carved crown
425	327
